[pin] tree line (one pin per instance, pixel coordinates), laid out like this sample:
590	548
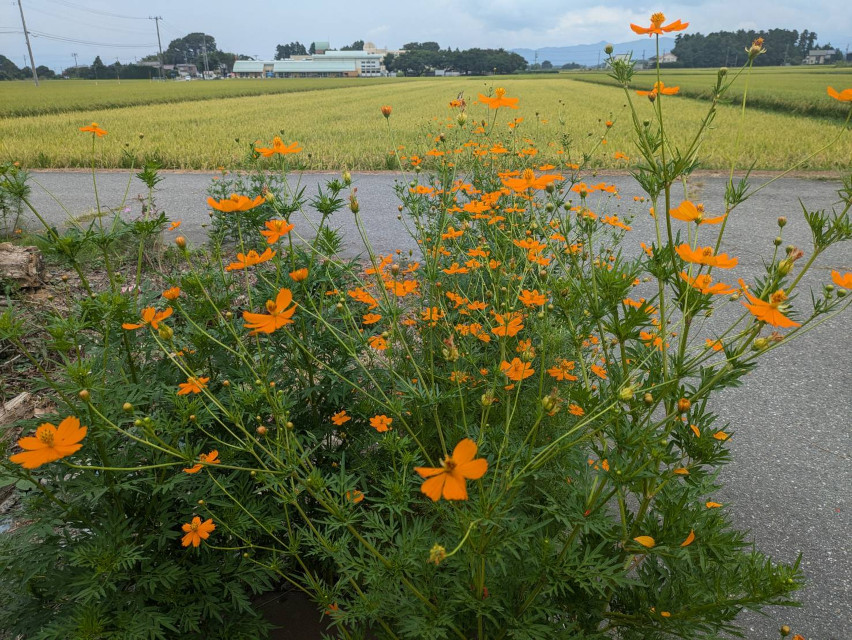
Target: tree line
727	48
422	58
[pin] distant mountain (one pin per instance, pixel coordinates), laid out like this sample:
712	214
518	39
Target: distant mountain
587	54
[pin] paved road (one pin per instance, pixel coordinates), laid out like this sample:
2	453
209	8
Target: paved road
791	480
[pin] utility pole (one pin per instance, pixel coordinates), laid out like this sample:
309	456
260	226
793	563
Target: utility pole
76	68
156	20
29	47
204	51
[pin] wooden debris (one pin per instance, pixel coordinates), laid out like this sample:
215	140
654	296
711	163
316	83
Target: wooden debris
23	266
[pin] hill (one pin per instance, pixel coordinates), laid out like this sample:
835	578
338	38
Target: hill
591	54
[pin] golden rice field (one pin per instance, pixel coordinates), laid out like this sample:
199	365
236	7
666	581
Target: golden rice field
341	127
799	90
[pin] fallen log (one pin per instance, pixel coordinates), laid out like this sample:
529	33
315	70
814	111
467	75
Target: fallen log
23	266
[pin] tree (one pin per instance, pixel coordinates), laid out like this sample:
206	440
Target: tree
284	51
422	46
313	48
358	45
98	68
190	50
44	72
547	64
9	70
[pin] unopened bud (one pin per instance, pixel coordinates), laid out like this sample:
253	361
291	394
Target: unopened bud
784	631
683	405
166	332
347	178
626	393
437	554
777	241
354	206
723	71
785	266
760	344
261	430
461	118
782	221
127	407
180	241
648	399
84	395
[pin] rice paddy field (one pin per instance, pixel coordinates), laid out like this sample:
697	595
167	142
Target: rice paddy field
787	89
339	125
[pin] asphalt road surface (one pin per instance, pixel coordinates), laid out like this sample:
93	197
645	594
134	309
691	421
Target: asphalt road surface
791	480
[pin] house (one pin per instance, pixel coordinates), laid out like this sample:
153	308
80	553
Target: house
819	56
666	58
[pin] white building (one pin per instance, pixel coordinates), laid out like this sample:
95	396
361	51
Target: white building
330	64
819	56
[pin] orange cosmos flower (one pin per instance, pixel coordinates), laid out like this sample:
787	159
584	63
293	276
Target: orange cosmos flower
560	371
381	423
278	147
688	212
646	541
354	496
450	479
508	324
702	283
499	100
844	281
455	269
340	418
576	410
50	443
196	531
172	294
235	203
299	274
250	259
192	385
386	110
362	296
704	255
371	318
174	225
599	371
769	312
532	298
96	130
843	96
279	314
378	343
657	28
529	181
516	370
431	316
275	229
716	345
712	505
660	87
204	458
150	316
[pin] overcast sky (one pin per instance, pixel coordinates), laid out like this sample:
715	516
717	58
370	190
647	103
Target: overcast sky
121	29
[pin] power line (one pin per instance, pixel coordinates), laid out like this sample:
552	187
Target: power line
83	21
96	11
51	36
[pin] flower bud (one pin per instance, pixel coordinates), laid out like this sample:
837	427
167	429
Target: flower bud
782	221
723	71
386	111
127	407
354	206
648	399
683	405
626	393
180	241
347	177
437	554
784	631
261	430
166	332
785	266
84	395
487	399
547	403
461	118
289	425
756	48
760	344
778	240
608	49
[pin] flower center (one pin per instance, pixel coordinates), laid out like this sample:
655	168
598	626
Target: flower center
528	176
707	252
193	526
46	436
271	307
657	19
449	464
778	297
500	92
